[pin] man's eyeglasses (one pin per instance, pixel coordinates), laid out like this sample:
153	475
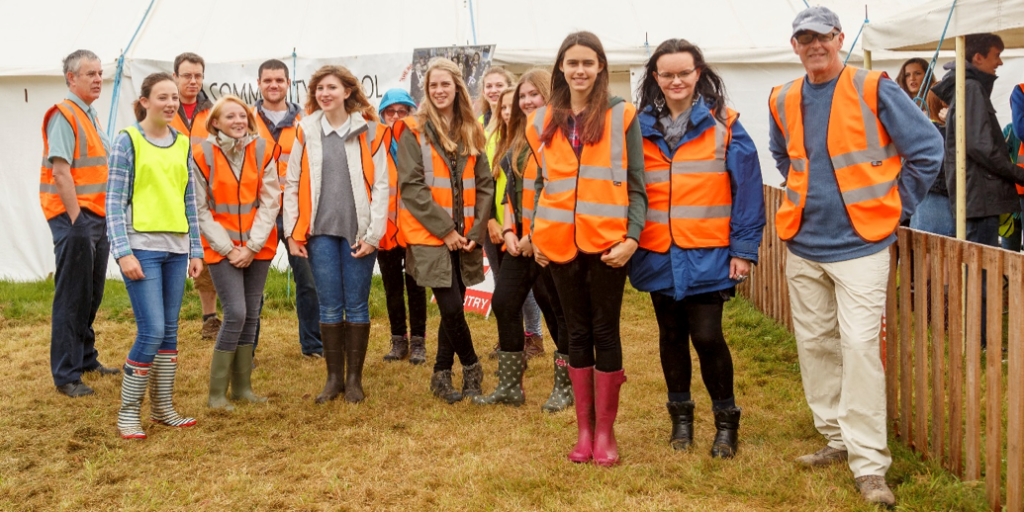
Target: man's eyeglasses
189	77
671	77
808	37
400	112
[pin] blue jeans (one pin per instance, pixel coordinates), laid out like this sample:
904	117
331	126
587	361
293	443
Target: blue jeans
342	281
933	216
80	252
307	307
156	302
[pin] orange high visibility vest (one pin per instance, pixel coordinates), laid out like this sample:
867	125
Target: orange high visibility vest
88	164
393	237
438	177
690	197
235	200
1020	155
585	201
529	192
368	148
196	131
866	163
285	141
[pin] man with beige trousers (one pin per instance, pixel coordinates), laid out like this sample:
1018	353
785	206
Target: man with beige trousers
858	156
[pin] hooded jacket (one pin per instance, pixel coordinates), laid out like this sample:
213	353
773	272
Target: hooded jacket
681	273
990	173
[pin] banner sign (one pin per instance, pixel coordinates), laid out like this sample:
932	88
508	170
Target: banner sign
472	60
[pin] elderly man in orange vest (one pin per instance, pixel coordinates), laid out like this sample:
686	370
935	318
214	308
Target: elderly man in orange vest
72	191
838	135
189	70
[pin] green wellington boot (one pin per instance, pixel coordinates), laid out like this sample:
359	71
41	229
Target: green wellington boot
241	376
220	375
510	381
561	394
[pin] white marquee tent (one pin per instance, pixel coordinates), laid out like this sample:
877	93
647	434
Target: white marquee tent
746	40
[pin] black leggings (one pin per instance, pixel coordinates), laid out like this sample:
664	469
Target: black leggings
697	318
392	270
591	296
453	336
518	275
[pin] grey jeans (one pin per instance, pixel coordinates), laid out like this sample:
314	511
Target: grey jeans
240	291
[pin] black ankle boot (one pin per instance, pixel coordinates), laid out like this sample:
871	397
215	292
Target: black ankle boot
727	424
682	424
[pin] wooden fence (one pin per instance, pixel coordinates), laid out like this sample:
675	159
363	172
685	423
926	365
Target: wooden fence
942	400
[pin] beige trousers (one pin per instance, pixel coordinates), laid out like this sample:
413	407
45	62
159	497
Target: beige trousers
837	314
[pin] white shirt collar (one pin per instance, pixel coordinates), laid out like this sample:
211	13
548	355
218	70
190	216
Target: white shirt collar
342	130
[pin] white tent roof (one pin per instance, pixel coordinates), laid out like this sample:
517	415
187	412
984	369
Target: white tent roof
920	28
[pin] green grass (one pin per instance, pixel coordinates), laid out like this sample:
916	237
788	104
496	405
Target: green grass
403	449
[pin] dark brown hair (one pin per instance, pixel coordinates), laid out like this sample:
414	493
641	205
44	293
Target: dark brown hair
901	78
272	65
591	128
188	57
147	88
356	101
710	86
981	43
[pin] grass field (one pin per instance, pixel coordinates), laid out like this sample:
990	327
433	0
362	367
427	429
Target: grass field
402	449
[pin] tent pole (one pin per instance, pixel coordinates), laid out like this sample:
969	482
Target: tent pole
867	59
961	142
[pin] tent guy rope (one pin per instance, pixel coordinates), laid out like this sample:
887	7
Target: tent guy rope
120	72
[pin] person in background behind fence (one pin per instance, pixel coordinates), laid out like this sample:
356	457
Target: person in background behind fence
237	199
336	207
193	110
395	105
276	120
1009	223
838	136
154	235
704	224
1013	140
446	191
72	192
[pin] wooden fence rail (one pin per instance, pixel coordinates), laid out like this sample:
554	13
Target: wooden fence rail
946	398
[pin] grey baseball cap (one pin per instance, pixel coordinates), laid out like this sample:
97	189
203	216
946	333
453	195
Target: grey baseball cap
817	19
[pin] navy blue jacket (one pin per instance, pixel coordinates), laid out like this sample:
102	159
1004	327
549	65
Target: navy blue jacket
680	273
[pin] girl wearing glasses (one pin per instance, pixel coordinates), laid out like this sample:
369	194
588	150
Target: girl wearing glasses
589	213
522	275
704	223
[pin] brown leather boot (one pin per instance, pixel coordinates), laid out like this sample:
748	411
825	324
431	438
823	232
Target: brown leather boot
534	345
334	354
357	337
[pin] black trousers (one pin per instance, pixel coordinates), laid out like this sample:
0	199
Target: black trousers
698	319
453	336
396	284
81	251
591	296
520	274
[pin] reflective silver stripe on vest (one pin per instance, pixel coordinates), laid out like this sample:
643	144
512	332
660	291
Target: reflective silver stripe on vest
875	152
618	140
261	153
208	157
613	211
428	158
94	188
392	217
436	182
701	212
793	197
538	120
235	209
591	172
559	186
284	158
467	211
657	216
876	191
195	139
780	107
80	163
393	191
529	184
698	167
238	237
555	214
799	165
468	183
720	132
652	177
527	213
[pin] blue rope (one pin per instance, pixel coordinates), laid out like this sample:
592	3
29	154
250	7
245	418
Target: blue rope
472	22
120	73
919	100
295	82
807	5
854	45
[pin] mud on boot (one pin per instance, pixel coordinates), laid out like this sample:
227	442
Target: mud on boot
441	387
681	414
417	350
510	381
727	425
399	348
472	380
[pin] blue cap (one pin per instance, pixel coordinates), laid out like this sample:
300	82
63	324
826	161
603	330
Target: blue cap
817	19
396	96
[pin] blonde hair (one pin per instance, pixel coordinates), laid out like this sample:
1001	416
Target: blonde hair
463	126
513	138
485	106
356	101
219	106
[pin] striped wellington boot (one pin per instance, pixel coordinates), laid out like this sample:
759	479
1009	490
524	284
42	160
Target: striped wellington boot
133	390
161	392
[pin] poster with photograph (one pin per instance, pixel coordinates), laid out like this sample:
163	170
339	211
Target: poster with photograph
472	60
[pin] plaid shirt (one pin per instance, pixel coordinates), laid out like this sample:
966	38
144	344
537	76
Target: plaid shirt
120	177
574	133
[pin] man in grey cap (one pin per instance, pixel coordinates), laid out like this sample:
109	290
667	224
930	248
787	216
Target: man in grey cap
838	136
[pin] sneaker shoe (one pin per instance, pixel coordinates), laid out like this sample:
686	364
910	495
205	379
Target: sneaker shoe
211	326
874	490
823	457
